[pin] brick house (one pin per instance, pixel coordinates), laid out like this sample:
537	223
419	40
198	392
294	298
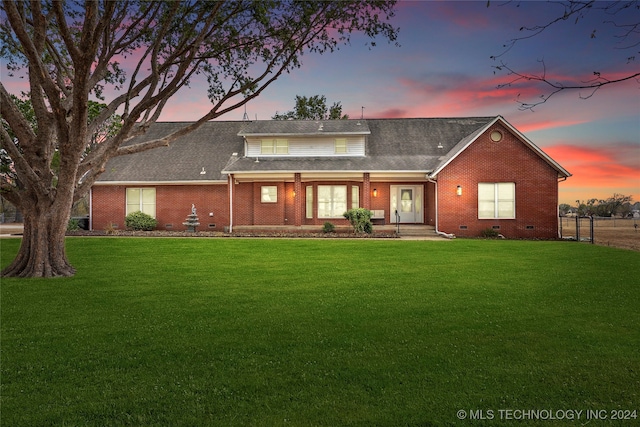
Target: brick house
459	175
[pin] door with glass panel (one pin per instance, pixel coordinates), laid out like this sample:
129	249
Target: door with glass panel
407	202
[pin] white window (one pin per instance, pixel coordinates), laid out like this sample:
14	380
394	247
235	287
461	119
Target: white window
269	194
274	146
497	200
340	146
332	201
141	199
309	201
355	197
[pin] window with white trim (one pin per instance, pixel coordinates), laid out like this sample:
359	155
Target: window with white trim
340	146
355	197
141	200
274	146
269	194
309	201
497	200
332	201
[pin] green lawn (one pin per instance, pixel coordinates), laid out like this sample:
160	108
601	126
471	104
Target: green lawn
261	332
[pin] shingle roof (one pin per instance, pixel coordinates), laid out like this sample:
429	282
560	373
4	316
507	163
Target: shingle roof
208	147
304	127
400	145
393	145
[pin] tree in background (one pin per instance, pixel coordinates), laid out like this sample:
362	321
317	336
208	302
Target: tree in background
134	56
604	207
564	209
313	108
624	16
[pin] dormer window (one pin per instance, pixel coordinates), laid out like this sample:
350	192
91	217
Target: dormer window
274	146
340	146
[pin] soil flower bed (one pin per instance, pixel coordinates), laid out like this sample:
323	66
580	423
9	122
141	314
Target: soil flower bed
257	233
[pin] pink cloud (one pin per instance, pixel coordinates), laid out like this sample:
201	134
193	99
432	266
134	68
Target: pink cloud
392	113
597	172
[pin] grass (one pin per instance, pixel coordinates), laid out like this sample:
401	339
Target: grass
235	332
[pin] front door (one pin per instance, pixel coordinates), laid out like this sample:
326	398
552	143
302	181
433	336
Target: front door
407	201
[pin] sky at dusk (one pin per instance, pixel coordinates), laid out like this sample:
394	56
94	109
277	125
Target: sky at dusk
443	68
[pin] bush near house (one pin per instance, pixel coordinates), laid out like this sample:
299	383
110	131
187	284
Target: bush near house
360	220
489	232
140	221
328	227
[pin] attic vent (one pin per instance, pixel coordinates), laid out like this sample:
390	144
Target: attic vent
320	127
440	145
203	172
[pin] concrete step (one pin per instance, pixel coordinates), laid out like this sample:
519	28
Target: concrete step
416	230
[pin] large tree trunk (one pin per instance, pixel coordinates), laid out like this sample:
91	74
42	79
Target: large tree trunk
42	252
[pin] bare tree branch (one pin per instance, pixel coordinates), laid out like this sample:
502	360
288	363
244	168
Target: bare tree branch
575	11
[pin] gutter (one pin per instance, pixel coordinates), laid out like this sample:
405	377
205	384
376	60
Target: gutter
91	208
560	179
230	178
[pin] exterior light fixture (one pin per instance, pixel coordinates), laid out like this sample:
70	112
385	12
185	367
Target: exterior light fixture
459	190
375	192
294	193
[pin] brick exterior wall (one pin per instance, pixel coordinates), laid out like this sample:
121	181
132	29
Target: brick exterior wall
173	204
510	160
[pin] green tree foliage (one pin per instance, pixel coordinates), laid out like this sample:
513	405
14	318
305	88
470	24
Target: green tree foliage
604	207
564	209
74	52
313	108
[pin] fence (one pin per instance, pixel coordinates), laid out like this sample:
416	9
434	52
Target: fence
588	228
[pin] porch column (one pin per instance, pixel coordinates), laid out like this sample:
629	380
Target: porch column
366	190
298	199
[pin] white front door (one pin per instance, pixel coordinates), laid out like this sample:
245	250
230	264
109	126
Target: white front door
407	202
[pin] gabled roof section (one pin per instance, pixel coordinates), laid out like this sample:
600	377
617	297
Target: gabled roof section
304	128
469	139
393	145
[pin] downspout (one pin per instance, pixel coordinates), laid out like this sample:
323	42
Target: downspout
91	208
438	232
230	203
561	179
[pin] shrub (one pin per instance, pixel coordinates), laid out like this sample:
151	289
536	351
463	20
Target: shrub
360	220
73	225
140	221
489	232
328	227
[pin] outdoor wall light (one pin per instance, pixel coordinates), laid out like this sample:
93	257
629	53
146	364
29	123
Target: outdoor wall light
459	190
294	193
375	192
